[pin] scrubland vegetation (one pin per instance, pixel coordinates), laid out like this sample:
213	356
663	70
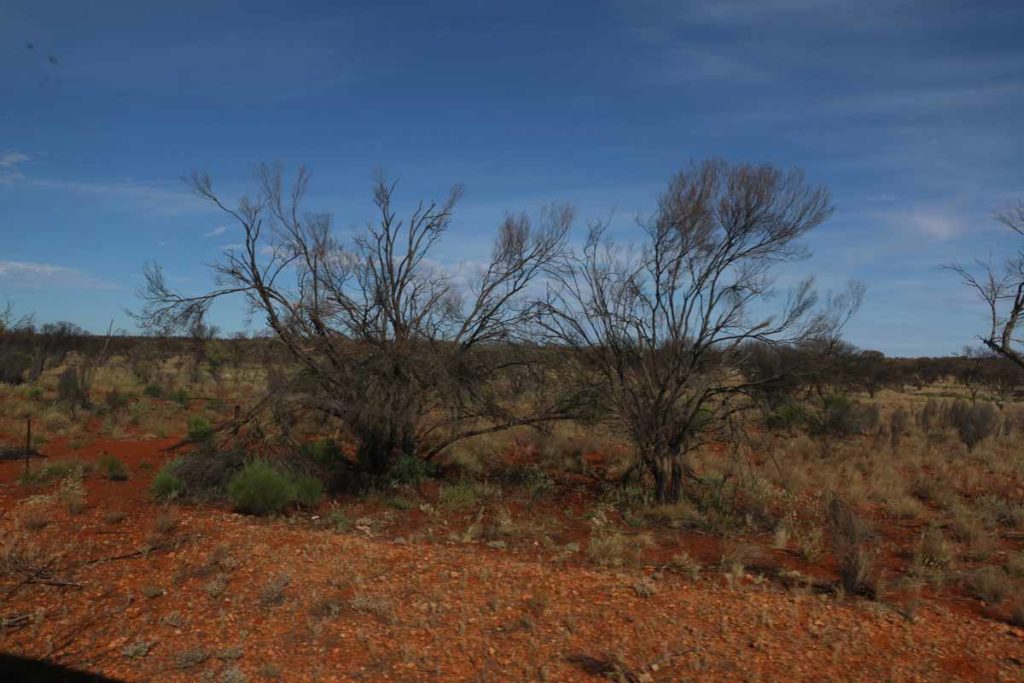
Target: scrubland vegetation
636	426
905	496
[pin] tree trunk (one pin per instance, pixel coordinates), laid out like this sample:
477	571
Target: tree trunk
382	444
667	470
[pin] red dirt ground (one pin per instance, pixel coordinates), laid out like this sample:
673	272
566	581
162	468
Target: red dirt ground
361	606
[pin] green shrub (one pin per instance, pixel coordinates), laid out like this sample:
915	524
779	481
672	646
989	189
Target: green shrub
532	478
71	389
116	401
407	469
112	468
205	473
57	469
167	484
260	489
840	416
974	422
180	396
153	391
72	493
309	491
788	416
899	426
990	584
400	503
464	494
328	463
323	452
340	521
199	429
13	366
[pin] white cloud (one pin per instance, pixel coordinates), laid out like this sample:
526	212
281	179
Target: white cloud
10	160
216	232
935	224
704	62
37	275
924	100
149	197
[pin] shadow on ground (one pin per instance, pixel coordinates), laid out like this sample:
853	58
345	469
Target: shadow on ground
20	670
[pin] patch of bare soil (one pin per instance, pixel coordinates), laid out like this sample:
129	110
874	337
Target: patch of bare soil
135	591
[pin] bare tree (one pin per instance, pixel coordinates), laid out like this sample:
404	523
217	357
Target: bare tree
11	323
661	329
406	357
1002	289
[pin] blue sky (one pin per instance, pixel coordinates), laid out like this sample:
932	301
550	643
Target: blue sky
909	111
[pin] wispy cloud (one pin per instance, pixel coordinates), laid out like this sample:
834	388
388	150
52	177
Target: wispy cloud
216	232
931	222
702	62
867	14
10	160
146	196
40	275
932	99
142	196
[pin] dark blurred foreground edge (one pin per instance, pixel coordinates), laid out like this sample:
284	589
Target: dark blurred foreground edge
20	670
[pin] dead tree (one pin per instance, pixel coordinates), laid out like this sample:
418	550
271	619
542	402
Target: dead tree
387	341
661	328
1001	287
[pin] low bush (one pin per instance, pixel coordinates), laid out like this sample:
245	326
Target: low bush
840	416
309	491
167	485
1000	511
990	584
859	573
326	459
899	426
13	366
72	493
407	469
464	494
787	417
112	468
153	391
199	429
1017	612
205	473
974	422
685	564
71	388
260	489
115	401
932	417
323	452
533	479
58	469
1015	565
932	552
